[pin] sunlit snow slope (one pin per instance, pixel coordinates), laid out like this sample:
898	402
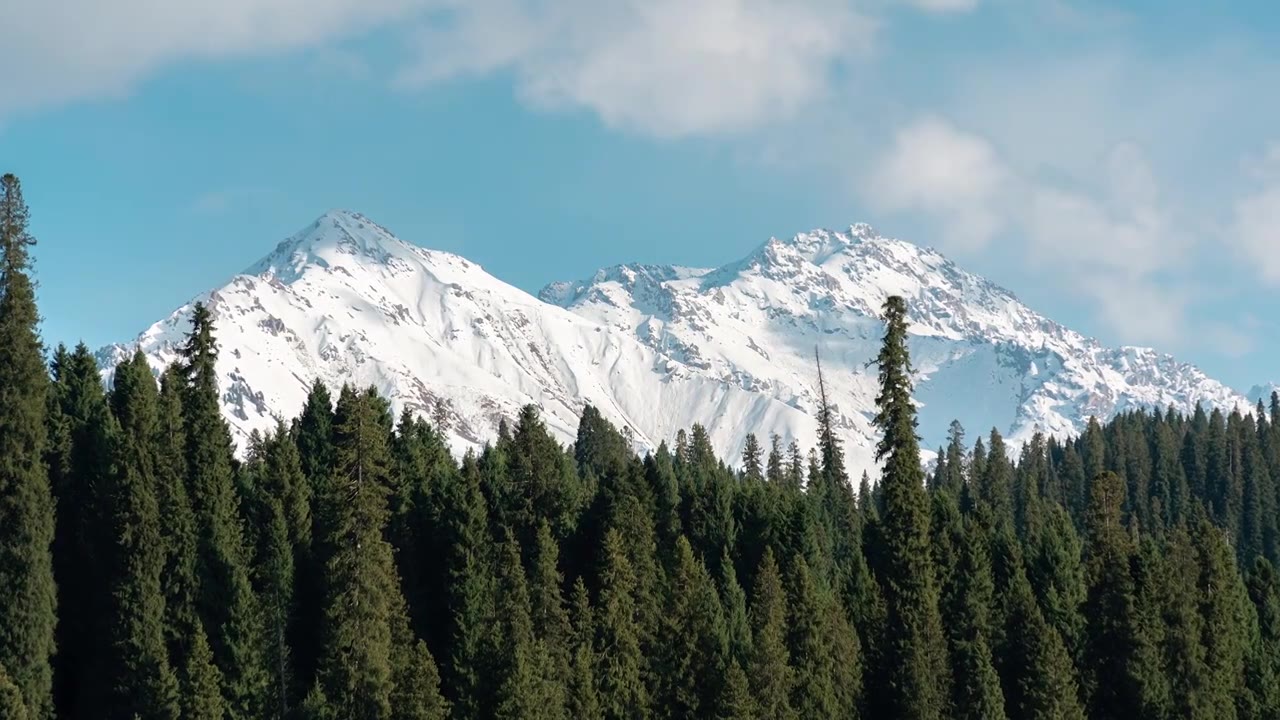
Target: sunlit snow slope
657	349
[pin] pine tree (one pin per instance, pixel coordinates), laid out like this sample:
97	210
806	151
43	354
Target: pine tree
417	686
12	706
733	599
816	691
966	609
752	454
356	669
470	591
1184	651
1222	612
549	615
313	436
1035	670
770	669
621	666
144	684
28	606
775	473
201	681
582	701
735	702
225	598
1115	684
695	650
1264	675
527	686
83	468
913	659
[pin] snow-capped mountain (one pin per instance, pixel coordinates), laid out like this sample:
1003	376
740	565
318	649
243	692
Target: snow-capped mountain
658	348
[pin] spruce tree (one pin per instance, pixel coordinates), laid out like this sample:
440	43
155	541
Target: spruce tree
695	648
12	706
1264	674
83	468
28	605
225	600
913	655
813	643
547	609
1114	684
733	599
470	591
144	684
621	666
356	669
1184	652
582	701
770	668
201	680
735	702
1035	670
966	609
417	685
527	686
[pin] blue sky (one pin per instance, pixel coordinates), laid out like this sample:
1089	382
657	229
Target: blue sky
1117	165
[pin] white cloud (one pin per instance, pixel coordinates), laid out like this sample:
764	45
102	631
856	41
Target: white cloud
63	50
668	68
1113	245
944	6
934	167
1256	232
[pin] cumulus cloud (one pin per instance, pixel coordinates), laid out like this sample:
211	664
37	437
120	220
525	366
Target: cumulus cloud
1255	233
1112	244
668	68
934	167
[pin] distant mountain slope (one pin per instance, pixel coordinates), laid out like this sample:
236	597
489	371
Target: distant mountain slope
657	348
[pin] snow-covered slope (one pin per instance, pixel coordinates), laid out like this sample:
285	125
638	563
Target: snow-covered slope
657	348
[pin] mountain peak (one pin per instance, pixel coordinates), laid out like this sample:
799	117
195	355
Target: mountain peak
326	240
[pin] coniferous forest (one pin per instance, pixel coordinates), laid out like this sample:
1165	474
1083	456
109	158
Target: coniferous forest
348	566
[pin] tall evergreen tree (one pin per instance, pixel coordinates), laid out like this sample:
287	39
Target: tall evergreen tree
582	700
28	604
526	680
694	654
913	658
357	669
12	706
770	667
83	468
225	600
1036	672
143	685
621	667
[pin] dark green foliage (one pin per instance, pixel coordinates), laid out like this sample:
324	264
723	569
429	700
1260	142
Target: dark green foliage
324	574
621	666
770	667
735	702
913	654
27	594
12	706
417	691
694	652
582	701
363	598
143	683
225	599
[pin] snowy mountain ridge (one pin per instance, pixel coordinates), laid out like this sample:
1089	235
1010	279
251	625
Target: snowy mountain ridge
658	348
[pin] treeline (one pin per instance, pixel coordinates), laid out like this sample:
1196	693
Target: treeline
351	567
